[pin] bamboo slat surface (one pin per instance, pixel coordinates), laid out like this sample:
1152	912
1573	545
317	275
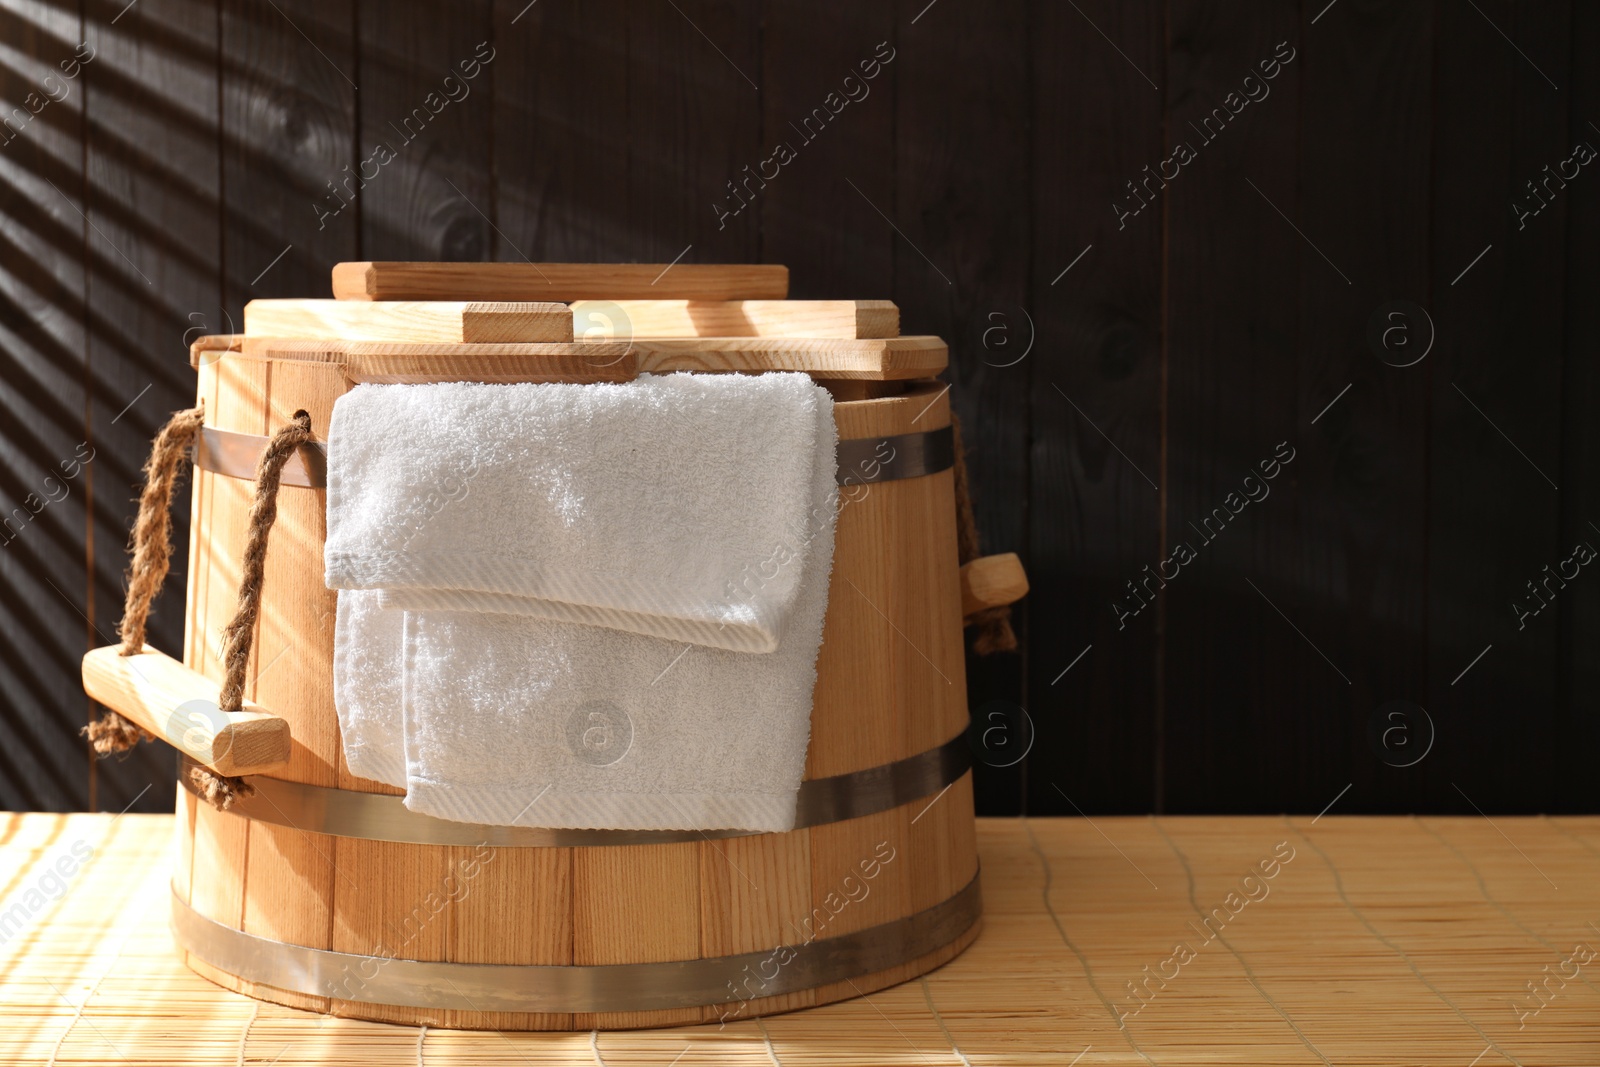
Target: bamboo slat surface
1347	941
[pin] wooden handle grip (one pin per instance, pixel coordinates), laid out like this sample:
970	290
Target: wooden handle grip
179	706
992	582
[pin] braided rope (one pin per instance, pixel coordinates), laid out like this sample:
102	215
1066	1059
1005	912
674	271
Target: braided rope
151	557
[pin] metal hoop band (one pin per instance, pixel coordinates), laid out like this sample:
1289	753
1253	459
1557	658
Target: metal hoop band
485	987
860	460
885	459
381	817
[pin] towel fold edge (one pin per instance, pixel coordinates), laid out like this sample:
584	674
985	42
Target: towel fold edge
728	636
500	585
505	806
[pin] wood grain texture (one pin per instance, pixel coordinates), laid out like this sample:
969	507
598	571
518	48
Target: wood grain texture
388	905
1578	672
151	689
409	321
183	844
44	550
694	123
288	124
1495	455
152	194
294	886
842	389
234	394
1363	169
888	358
754	894
494	883
956	69
892	635
992	582
563	282
291	171
1097	450
427	140
560	185
635	904
894	358
361	361
814	149
747	318
1232	403
294	641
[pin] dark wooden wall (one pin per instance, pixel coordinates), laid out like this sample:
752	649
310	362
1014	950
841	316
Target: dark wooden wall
1120	373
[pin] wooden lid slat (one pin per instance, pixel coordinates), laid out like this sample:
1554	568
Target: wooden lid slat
411	321
562	282
882	359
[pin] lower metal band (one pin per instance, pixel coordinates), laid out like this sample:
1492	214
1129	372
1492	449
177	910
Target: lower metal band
860	460
381	817
485	987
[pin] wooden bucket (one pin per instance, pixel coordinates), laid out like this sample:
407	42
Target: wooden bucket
323	892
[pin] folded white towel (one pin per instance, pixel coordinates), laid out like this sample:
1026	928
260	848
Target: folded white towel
368	685
516	720
619	505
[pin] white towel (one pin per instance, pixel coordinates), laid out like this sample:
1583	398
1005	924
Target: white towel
621	505
368	666
516	720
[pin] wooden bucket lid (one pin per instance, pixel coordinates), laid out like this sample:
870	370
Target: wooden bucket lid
531	322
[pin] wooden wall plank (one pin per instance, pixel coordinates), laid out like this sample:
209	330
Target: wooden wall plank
832	174
1360	593
289	163
427	125
694	123
201	139
1234	268
44	611
153	199
1494	515
1095	465
953	162
1579	668
1358	589
560	132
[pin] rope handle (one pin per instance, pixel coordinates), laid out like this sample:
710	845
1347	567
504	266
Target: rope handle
150	558
239	634
150	545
